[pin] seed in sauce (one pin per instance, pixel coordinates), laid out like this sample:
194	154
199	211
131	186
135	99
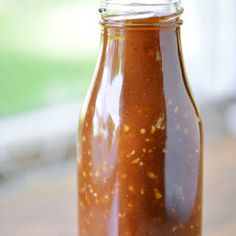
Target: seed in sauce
164	150
131	188
151	175
126	128
84	139
157	194
142	131
131	154
142	191
147	140
97	173
174	228
159	123
141	163
144	150
158	56
153	129
84	174
192	227
136	161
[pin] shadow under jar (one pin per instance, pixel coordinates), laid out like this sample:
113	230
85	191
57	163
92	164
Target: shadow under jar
140	133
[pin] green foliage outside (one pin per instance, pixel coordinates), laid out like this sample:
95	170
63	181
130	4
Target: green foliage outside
27	80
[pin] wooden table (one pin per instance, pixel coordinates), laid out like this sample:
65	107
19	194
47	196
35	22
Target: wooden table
44	203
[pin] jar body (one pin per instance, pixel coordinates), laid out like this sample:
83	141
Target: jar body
140	139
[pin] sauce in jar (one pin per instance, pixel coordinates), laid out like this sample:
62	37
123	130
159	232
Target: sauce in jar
140	136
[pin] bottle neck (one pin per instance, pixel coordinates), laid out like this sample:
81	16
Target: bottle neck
146	41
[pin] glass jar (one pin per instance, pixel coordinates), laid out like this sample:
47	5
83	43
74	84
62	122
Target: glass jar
140	133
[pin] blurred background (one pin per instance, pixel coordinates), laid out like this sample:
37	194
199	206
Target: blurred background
48	51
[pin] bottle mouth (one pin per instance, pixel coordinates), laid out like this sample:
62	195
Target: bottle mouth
136	9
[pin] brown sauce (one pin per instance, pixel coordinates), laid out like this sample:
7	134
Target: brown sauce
140	139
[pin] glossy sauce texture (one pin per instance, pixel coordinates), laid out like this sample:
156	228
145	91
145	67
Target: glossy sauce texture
140	140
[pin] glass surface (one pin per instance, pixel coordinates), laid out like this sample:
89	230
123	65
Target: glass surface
125	9
140	137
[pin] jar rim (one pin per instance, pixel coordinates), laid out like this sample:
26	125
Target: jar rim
118	9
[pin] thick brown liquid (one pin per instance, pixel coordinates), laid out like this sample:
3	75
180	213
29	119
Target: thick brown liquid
140	150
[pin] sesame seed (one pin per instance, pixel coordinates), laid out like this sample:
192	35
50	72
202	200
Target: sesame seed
126	128
159	123
153	129
131	188
150	151
141	163
151	175
84	174
192	227
89	153
157	194
142	131
147	140
132	153
136	161
83	138
144	150
142	191
97	173
174	228
106	197
158	56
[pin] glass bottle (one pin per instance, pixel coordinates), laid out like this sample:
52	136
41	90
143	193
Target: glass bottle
140	133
